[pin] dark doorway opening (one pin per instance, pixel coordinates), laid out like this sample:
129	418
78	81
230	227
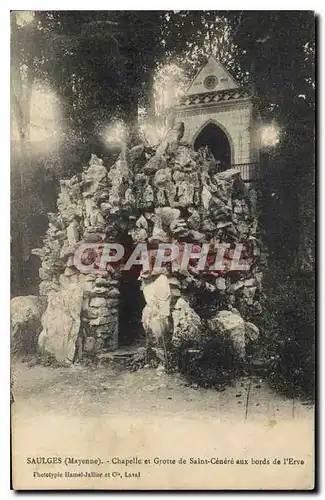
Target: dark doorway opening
131	305
218	143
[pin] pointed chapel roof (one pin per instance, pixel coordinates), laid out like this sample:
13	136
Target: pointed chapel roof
212	77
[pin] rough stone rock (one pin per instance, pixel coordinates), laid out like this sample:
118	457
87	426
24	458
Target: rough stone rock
184	159
228	174
252	332
44	275
97	302
103	320
197	236
88	285
112	293
248	293
46	287
208	225
175	292
119	176
67	250
64	280
171	140
257	308
136	152
110	336
194	220
178	227
174	282
167	214
89	237
223	224
90	313
70	271
85	304
221	284
112	303
102	282
230	326
61	322
166	189
252	195
70	262
250	282
39	252
148	195
97	312
89	344
157	290
68	204
104	292
93	176
139	235
129	199
105	209
234	310
155	316
25	320
234	287
185	192
187	324
158	233
153	164
72	233
142	222
243	228
206	197
89	277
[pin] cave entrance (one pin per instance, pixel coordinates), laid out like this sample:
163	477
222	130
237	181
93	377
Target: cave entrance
218	143
131	305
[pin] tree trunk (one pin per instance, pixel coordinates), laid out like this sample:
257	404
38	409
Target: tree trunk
151	95
20	109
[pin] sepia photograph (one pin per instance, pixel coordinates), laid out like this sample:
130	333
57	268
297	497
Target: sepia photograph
162	263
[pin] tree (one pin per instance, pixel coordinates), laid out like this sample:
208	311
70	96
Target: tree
22	77
282	68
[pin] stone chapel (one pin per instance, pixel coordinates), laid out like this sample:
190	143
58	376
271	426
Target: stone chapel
219	113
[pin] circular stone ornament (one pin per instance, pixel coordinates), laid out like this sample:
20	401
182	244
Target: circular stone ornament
210	82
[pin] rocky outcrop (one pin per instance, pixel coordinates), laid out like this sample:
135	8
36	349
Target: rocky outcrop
188	328
230	326
25	321
61	322
92	324
156	313
169	195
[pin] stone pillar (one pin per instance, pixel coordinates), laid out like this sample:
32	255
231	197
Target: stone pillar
100	315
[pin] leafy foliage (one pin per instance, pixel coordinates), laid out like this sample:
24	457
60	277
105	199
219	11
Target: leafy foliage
290	344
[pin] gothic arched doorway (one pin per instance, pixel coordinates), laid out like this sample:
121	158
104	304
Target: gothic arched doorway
218	143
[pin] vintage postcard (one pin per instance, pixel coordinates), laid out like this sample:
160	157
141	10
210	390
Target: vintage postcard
162	250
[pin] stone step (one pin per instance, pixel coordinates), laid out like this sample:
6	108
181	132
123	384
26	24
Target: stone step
120	353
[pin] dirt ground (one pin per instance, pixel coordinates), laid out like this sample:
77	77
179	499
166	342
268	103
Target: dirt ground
86	413
86	391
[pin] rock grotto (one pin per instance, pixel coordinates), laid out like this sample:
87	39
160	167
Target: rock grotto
168	194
